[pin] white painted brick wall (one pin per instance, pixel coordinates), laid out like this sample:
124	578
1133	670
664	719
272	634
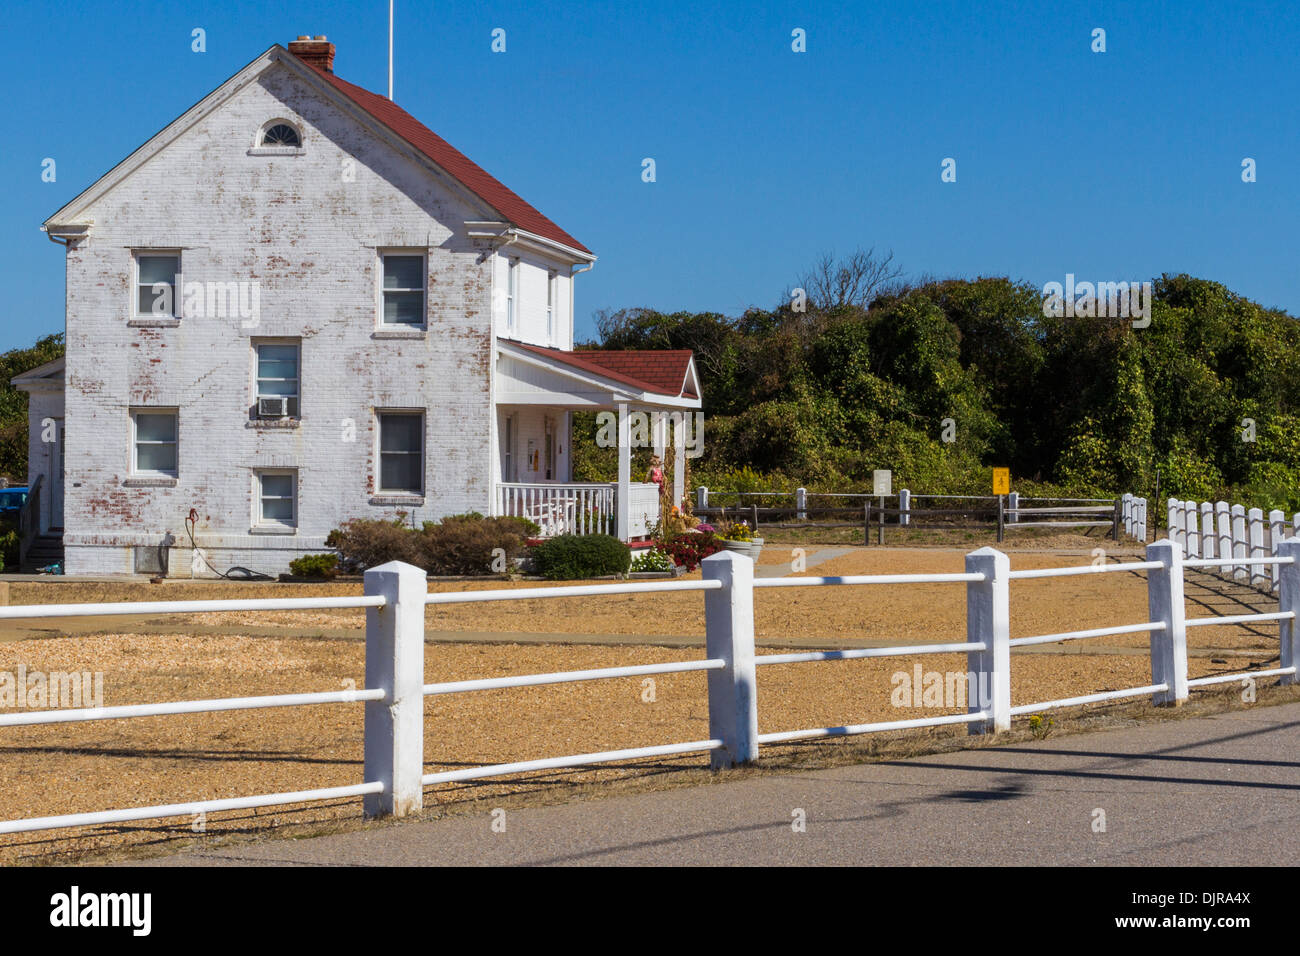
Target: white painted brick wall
310	239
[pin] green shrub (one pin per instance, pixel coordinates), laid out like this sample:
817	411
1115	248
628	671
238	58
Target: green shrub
8	548
466	544
320	566
369	543
572	556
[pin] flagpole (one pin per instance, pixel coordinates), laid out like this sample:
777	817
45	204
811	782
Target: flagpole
390	50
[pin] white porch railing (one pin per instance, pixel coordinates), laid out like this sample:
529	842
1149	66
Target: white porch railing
560	508
570	508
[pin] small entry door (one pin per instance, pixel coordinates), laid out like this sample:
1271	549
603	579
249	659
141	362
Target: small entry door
56	481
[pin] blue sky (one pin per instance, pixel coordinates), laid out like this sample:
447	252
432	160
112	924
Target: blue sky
1114	166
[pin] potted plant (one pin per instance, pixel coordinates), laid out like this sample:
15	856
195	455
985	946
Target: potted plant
738	536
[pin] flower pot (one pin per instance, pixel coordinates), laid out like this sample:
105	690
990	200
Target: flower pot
750	549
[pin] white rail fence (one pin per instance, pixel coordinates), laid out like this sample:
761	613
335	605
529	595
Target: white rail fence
1232	534
1016	507
396	595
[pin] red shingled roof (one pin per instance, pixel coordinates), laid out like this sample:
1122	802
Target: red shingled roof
469	173
660	371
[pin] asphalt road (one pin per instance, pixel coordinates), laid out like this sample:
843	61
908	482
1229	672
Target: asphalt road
1205	791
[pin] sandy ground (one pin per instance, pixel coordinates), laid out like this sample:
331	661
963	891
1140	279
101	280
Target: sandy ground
91	766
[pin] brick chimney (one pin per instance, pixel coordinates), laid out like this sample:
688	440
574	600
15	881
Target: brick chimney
314	51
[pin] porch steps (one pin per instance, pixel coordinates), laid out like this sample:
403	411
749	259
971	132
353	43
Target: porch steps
47	549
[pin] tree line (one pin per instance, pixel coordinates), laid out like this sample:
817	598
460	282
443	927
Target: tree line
940	380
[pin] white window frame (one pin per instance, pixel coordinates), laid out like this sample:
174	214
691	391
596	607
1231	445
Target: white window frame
550	307
260	149
423	254
260	520
379	452
512	293
135	442
510	472
257	344
177	290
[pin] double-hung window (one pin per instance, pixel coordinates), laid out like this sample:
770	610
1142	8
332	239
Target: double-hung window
277	379
512	295
156	278
154	443
403	289
277	499
401	453
550	308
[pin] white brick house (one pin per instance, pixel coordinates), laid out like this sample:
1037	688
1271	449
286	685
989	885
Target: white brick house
297	305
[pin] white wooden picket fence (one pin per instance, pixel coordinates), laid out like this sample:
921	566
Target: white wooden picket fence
1231	533
1133	516
396	595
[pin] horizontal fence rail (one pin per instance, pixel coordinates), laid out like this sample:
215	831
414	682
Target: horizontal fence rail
838	509
396	597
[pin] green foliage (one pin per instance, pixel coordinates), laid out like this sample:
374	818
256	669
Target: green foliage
8	546
1077	406
13	403
316	566
572	556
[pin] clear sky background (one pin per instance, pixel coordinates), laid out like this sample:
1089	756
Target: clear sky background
1114	166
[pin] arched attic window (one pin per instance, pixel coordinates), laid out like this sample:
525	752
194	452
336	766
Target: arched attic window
281	135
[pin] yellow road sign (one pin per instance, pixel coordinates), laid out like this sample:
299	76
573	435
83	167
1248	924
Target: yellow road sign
1002	481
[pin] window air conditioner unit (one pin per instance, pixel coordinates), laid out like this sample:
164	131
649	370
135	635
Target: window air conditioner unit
277	407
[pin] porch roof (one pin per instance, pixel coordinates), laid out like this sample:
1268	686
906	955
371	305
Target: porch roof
537	375
43	378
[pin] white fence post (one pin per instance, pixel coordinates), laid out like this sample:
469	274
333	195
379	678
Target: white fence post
1192	528
1239	571
729	636
1013	506
988	617
1276	524
904	506
1207	529
1288	599
1225	534
1141	530
1175	524
1255	523
1165	604
801	503
1126	512
394	726
702	497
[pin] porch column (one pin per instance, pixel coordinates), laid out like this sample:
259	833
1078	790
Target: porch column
679	458
623	499
659	432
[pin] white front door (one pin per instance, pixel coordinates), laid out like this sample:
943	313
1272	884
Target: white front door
56	481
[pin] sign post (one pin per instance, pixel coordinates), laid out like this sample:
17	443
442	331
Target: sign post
1001	488
882	483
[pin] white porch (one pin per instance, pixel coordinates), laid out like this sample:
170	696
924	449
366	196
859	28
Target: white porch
535	392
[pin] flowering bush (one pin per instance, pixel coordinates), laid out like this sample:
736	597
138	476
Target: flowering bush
702	526
736	531
653	560
690	549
